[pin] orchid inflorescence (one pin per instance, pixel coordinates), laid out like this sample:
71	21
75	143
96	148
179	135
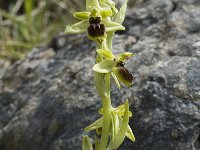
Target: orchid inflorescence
100	21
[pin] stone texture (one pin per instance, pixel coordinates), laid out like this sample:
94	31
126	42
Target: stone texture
48	98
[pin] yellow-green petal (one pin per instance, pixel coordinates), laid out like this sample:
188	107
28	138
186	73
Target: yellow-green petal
81	15
106	13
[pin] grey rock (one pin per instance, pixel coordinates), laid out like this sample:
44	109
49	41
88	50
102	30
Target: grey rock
48	98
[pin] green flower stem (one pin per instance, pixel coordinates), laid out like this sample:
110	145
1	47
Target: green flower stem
102	82
104	92
106	102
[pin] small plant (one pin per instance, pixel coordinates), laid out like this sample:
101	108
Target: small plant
100	21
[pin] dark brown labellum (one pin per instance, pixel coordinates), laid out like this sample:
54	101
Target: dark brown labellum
125	74
95	29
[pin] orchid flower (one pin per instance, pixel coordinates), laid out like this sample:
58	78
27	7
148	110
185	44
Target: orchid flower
114	65
93	19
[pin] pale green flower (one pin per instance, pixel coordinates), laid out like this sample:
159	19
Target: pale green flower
114	65
93	10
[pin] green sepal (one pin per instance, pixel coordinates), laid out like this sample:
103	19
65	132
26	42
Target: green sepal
112	26
106	54
80	27
129	134
119	18
95	125
119	138
116	80
121	109
104	66
81	15
86	143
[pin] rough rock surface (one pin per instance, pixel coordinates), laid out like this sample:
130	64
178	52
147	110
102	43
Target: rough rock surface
47	99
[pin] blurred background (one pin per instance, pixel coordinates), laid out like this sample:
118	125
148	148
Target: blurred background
25	24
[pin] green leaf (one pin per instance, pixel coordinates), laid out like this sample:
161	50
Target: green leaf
79	27
86	144
104	66
95	125
82	15
112	26
116	80
28	4
119	18
106	54
119	138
